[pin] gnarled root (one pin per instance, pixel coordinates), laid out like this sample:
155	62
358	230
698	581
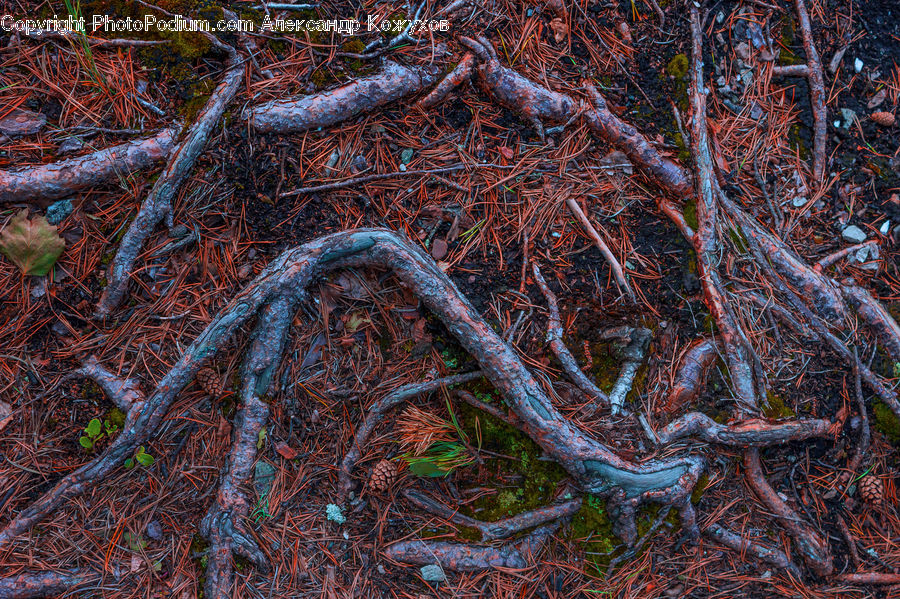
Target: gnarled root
125	393
593	465
392	82
158	205
637	338
463	557
879	320
747	433
691	375
377	413
739	544
461	73
63	178
816	92
813	548
500	529
31	585
555	338
223	524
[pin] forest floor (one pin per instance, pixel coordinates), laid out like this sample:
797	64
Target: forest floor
360	334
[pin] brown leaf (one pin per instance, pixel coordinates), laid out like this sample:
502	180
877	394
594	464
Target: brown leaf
507	152
31	244
419	332
877	99
286	451
560	29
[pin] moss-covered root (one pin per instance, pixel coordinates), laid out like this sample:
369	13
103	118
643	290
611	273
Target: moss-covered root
223	524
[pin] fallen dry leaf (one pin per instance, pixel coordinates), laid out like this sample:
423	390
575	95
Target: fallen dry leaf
286	451
560	29
31	244
5	414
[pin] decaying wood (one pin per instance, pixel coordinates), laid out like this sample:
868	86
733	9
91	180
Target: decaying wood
392	82
158	205
66	177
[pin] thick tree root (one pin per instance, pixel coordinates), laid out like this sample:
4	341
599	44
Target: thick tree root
747	433
879	320
690	378
31	585
392	82
64	178
870	578
501	529
555	338
223	524
765	553
595	467
377	413
158	205
462	557
813	548
461	73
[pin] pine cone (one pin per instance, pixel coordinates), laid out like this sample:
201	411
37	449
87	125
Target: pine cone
871	489
210	381
885	119
384	474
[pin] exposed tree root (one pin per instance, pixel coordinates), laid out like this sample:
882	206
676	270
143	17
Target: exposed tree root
31	584
555	338
816	93
125	393
737	543
832	258
377	413
690	378
637	338
614	265
879	320
813	548
865	433
747	433
392	82
461	73
870	578
500	529
64	178
595	467
158	205
463	557
223	524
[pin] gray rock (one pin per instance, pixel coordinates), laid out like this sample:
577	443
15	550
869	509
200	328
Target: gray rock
853	234
57	211
263	476
433	573
849	117
154	530
70	145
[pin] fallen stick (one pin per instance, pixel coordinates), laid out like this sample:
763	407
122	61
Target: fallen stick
690	379
566	359
594	466
614	265
66	177
461	73
377	413
751	432
793	70
158	205
760	551
463	557
392	82
500	529
870	578
223	524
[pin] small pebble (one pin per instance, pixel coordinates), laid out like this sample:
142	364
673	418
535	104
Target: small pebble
57	211
857	65
433	573
853	234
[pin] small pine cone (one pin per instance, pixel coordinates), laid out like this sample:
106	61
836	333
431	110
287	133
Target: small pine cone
383	476
871	489
210	381
885	119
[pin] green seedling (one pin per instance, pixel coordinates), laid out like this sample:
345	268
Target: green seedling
95	431
141	457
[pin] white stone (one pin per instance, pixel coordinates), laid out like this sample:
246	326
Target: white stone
853	234
857	65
